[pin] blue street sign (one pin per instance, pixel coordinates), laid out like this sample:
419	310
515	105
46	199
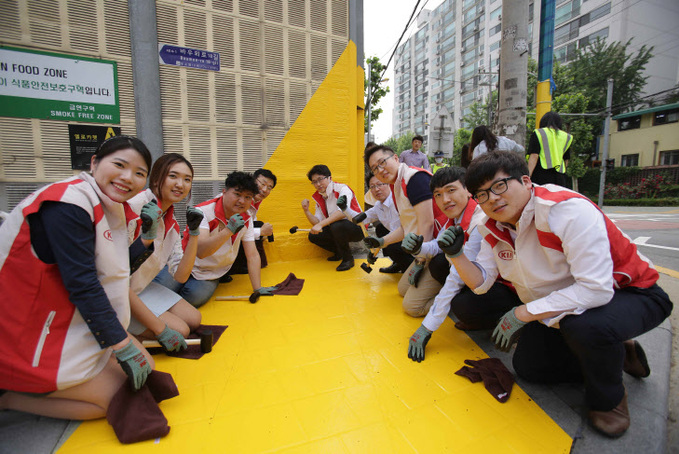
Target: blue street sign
188	57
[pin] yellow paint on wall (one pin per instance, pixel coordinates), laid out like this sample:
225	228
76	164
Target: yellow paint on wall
328	131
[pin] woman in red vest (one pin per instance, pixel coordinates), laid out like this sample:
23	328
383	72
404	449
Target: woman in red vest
64	280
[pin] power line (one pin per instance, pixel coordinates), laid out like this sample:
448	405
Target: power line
370	98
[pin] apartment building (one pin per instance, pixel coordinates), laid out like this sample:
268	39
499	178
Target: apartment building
453	58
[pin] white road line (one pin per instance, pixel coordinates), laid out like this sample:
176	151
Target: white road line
641	241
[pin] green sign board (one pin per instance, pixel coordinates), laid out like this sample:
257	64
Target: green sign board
52	86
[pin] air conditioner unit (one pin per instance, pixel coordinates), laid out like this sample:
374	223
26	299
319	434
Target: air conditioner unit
476	29
481	10
480	53
463	50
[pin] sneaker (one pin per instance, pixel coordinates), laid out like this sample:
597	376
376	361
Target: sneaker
611	423
346	265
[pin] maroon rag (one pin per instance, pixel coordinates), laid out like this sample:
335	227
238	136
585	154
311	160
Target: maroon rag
290	286
193	352
495	376
134	415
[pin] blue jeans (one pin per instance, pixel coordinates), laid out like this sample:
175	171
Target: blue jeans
194	291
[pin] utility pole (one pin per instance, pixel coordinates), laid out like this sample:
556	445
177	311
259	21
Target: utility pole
370	73
604	158
513	70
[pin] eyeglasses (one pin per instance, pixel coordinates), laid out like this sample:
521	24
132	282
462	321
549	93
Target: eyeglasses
380	165
264	185
497	188
376	185
318	181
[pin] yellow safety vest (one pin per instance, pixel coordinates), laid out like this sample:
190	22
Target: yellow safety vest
553	144
436	167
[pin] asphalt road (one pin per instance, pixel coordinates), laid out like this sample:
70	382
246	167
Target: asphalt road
655	230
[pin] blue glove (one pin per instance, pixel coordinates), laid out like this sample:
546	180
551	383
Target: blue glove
418	342
150	216
507	332
235	223
452	241
342	202
134	364
193	218
171	340
415	273
372	243
412	243
266	291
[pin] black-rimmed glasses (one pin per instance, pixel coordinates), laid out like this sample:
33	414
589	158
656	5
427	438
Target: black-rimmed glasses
497	188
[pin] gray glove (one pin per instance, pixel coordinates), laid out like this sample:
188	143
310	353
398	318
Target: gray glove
266	291
372	243
412	243
171	340
415	273
507	331
418	342
193	218
134	364
150	216
342	202
452	241
235	223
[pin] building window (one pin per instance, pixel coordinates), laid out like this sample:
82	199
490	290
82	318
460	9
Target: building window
495	30
629	160
666	116
567	12
629	123
495	14
669	158
587	40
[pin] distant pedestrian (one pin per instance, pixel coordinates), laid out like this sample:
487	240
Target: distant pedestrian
414	157
548	152
438	162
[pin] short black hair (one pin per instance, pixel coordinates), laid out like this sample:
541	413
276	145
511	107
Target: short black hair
370	151
420	138
369	176
242	181
266	174
319	169
446	176
485	167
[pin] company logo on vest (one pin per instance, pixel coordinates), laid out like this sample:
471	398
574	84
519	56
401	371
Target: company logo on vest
506	255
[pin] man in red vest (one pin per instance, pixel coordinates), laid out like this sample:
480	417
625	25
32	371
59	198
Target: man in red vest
331	226
586	290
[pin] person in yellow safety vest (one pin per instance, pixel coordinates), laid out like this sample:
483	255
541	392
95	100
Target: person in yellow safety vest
548	153
438	162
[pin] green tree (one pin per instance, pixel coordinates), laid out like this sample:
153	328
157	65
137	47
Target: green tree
600	61
462	136
478	114
378	88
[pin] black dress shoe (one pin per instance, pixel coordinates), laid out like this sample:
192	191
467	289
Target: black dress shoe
345	265
393	268
225	279
334	258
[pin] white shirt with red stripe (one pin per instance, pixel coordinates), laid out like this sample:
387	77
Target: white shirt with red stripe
564	255
214	220
399	192
167	245
327	205
469	220
385	212
52	346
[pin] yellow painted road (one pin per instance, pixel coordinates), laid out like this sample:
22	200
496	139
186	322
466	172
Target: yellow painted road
327	371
